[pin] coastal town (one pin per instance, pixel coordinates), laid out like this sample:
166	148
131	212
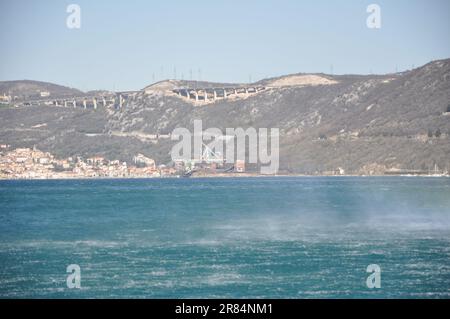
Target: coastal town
26	163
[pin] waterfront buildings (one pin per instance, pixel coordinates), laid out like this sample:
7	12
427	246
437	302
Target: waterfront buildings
25	163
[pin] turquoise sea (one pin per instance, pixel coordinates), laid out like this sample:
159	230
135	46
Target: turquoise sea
290	237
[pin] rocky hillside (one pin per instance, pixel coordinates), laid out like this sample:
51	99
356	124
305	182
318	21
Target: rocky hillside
25	89
360	124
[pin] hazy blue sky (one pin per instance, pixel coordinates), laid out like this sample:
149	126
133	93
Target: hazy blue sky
124	44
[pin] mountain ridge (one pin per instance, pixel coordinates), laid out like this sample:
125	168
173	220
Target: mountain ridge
363	124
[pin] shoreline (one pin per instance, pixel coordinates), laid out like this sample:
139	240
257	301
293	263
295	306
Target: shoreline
218	176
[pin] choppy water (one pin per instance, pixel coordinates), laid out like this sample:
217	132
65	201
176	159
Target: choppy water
249	237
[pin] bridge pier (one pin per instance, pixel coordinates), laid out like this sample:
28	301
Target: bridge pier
120	101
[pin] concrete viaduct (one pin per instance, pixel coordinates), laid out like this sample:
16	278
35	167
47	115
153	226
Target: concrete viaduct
212	94
116	100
